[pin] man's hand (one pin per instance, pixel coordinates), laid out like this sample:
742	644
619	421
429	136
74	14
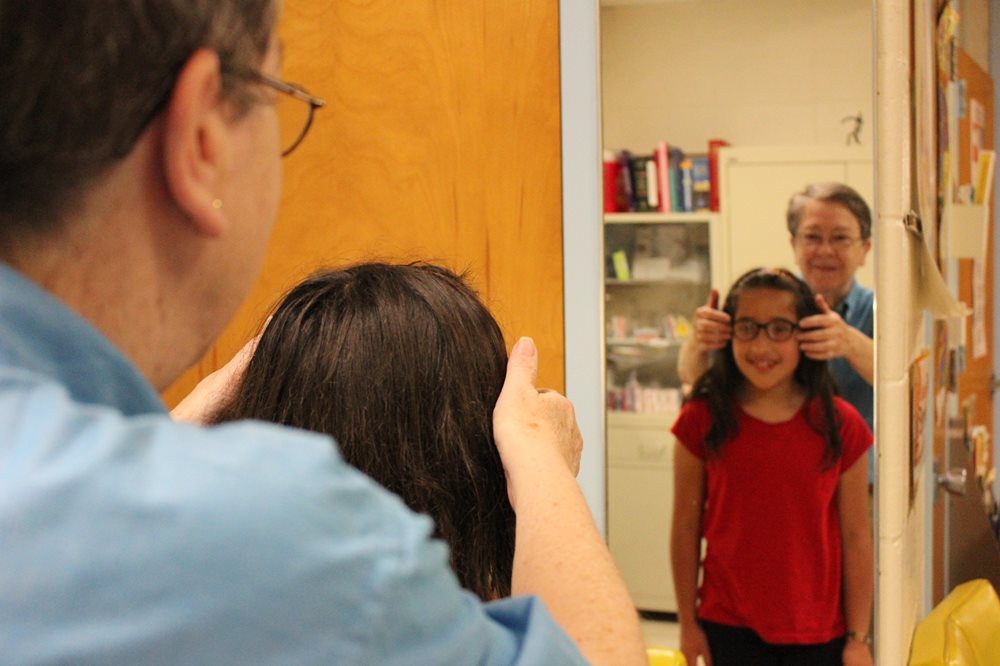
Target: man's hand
217	389
824	336
712	326
533	427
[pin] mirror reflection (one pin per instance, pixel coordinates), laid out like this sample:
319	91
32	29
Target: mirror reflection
714	113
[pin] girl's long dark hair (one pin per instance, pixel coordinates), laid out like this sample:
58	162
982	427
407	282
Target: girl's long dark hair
720	385
402	364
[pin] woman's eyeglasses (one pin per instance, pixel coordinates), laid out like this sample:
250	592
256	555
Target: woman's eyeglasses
777	330
296	107
294	118
839	242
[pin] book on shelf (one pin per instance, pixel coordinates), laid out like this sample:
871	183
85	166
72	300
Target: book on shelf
625	159
713	172
660	156
687	186
701	185
620	263
652	185
644	188
614	201
675	157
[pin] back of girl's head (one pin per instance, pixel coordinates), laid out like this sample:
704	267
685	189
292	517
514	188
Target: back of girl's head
403	365
720	385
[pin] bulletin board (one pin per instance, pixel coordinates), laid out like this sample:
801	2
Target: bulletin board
962	358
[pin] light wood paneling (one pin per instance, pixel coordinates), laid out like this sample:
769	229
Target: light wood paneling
440	141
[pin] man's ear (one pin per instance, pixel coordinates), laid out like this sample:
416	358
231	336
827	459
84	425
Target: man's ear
195	134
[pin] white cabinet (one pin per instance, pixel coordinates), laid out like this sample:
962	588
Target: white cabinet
755	185
640	505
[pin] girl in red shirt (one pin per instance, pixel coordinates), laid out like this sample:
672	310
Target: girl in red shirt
771	472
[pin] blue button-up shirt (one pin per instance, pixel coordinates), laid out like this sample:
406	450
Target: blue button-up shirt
857	309
127	538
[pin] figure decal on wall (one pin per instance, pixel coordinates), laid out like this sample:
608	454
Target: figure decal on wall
854	136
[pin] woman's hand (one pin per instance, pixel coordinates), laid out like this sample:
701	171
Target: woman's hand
712	326
217	389
825	336
533	428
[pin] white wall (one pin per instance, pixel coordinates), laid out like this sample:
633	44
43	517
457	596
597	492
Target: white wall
760	72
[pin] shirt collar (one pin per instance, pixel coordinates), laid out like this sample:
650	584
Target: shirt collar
40	334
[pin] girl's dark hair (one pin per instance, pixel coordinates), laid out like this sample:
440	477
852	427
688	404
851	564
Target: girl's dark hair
720	385
402	364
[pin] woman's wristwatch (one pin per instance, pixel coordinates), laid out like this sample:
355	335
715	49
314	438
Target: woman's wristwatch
859	637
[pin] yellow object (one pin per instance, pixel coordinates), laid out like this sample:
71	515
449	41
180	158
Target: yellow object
962	630
665	657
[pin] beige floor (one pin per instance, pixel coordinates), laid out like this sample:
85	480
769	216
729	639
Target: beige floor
660	634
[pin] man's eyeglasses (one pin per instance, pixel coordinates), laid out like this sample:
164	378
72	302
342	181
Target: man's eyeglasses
839	242
778	330
296	107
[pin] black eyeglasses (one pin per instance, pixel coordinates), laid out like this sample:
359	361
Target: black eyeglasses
294	119
778	330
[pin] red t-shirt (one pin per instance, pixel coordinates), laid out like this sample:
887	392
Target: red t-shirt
773	561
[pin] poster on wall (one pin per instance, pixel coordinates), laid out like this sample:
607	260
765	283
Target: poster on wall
919	384
977	133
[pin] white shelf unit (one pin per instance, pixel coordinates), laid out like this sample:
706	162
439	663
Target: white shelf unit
687	251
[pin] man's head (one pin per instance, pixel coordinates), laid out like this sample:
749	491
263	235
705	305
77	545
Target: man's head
830	226
82	80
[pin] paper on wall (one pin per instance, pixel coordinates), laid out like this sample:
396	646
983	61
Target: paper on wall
977	122
933	294
979	346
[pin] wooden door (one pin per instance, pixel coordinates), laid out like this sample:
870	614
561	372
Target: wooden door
440	141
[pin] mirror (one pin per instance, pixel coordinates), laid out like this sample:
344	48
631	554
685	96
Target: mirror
789	86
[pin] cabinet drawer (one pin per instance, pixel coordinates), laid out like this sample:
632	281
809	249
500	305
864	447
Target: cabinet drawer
645	447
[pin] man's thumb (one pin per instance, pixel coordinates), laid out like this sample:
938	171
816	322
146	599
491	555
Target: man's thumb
713	299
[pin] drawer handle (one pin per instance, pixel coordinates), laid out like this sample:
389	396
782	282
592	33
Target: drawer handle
652	450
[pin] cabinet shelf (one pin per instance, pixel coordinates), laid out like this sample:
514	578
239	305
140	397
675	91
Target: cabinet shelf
659	218
663	282
651	343
656	422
